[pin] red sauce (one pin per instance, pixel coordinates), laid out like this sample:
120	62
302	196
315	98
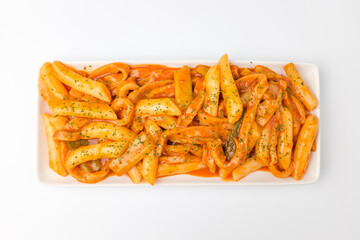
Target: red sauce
264	169
206	173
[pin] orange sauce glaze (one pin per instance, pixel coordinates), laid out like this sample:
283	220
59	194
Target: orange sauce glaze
206	173
264	169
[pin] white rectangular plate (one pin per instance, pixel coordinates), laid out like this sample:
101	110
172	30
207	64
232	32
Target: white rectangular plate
309	73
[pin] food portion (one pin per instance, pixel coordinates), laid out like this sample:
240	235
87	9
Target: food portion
152	121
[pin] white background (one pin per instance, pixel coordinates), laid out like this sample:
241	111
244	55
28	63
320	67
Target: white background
325	33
